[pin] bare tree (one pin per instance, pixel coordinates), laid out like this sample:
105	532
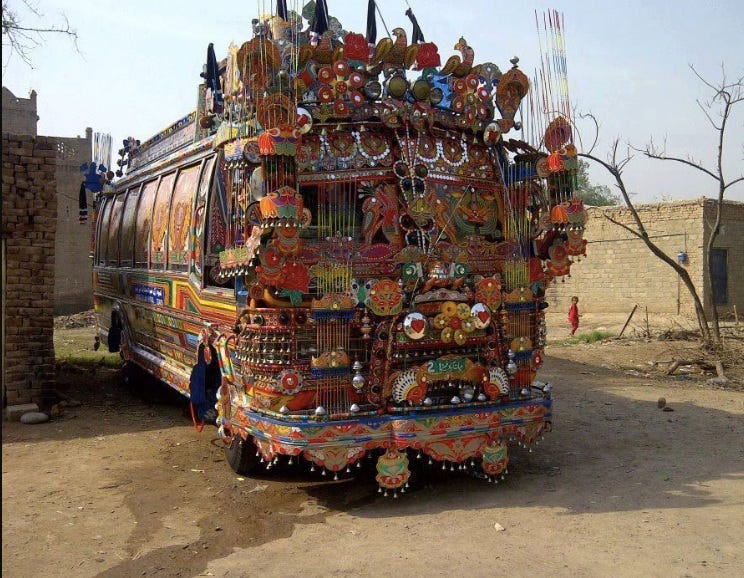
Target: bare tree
718	111
20	38
725	96
615	166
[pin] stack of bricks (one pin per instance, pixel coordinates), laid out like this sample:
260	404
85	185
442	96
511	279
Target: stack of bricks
28	230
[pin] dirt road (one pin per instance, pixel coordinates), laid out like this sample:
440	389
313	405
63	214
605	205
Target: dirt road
124	486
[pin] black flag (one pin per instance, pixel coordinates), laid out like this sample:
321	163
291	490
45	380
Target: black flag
211	74
212	77
371	23
319	23
281	9
418	36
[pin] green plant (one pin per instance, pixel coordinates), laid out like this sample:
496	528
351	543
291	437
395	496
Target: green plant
75	347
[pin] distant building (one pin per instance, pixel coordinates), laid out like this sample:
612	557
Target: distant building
73	290
620	271
19	114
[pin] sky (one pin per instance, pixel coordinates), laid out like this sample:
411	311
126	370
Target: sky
137	63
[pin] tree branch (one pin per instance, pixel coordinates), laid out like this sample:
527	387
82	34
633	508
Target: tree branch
22	39
650	154
737	180
596	128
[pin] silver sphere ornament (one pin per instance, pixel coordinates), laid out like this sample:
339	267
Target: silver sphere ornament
358	382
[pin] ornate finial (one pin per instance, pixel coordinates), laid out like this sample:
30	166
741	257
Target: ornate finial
514	60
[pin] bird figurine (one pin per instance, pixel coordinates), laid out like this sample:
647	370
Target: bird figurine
390	54
456	65
397	53
377	55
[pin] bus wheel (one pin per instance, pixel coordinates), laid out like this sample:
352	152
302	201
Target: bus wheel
241	455
133	376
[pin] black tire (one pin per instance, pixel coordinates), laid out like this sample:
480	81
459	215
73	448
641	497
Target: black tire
241	455
132	375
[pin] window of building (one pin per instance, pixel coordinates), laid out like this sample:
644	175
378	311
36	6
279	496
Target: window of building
719	275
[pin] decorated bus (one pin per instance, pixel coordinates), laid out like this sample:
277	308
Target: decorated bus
343	252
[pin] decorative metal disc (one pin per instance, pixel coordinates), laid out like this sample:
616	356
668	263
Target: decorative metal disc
480	315
290	382
415	325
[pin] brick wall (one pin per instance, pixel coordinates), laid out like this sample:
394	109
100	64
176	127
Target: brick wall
620	271
28	231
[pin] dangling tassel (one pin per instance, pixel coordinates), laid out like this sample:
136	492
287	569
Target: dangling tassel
281	9
83	204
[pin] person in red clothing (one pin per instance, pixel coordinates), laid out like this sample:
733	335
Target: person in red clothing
573	314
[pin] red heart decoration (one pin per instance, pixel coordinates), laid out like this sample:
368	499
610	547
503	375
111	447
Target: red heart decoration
418	325
483	316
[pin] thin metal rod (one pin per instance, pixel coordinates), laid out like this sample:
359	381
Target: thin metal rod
383	21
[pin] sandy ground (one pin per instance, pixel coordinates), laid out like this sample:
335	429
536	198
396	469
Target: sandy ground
124	486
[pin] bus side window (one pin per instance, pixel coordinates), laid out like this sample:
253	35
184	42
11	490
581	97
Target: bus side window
159	230
200	217
112	254
126	238
179	226
144	224
215	236
102	242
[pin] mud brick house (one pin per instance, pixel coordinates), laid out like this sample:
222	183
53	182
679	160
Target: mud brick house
73	289
619	270
46	267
